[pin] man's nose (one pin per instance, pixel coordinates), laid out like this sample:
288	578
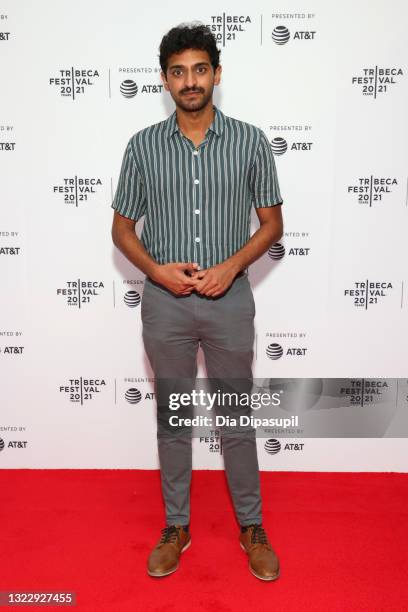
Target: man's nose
191	78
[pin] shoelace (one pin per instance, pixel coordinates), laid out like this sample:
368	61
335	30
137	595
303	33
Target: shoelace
258	535
169	534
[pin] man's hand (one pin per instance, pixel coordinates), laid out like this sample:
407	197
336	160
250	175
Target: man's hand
175	277
215	280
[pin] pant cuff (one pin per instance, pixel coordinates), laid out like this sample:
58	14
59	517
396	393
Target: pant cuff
178	520
247	522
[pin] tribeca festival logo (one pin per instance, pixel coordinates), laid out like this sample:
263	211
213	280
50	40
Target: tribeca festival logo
213	441
6	138
281	34
368	293
278	251
374	81
361	392
73	82
4	36
227	28
275	350
80	390
370	190
80	292
77	189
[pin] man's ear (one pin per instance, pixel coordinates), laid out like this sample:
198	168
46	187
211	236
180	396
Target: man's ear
164	80
217	74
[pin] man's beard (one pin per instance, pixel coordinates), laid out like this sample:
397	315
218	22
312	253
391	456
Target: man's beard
197	105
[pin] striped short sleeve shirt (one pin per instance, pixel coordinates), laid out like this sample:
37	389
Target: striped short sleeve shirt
196	200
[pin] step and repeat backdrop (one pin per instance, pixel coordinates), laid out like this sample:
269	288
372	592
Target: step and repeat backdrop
327	82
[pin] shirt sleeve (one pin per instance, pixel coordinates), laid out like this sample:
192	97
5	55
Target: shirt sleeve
263	179
130	197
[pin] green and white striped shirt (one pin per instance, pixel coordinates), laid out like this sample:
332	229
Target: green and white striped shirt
196	200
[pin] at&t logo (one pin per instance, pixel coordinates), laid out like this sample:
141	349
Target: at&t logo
281	35
273	446
279	146
129	88
275	351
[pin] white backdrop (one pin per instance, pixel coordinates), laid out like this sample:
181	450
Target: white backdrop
327	82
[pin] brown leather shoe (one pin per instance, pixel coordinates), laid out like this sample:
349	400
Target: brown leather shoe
164	558
263	561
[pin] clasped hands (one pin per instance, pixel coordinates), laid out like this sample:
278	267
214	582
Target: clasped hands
183	278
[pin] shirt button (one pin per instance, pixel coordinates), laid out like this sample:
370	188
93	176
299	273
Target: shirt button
195	152
197	239
196	181
197	211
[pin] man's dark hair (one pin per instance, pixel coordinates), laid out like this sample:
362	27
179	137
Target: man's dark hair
188	36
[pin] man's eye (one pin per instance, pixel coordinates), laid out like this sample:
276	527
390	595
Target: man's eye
176	72
201	69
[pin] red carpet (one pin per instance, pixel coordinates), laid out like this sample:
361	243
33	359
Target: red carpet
341	538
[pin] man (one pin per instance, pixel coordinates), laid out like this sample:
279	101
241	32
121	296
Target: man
195	177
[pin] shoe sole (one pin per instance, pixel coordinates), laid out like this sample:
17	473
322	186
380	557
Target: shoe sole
266	578
157	575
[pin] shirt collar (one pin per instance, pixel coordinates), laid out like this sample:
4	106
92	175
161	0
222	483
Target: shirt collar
216	126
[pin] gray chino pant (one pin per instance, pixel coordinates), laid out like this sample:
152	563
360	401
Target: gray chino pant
173	328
